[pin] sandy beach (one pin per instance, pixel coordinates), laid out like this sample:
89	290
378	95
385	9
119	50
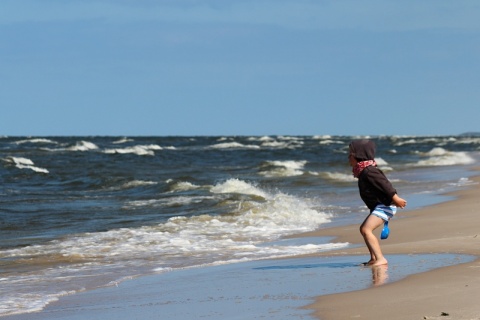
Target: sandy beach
445	293
427	278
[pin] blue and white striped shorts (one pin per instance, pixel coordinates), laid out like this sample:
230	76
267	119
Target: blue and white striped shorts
384	212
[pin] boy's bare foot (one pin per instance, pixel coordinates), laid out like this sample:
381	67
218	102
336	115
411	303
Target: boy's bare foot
374	263
369	263
379	262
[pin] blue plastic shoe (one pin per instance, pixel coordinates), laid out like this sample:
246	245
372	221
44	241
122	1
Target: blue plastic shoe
385	231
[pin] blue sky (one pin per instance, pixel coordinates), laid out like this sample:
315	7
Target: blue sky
222	67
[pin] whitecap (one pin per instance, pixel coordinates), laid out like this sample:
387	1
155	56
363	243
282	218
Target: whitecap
383	165
20	161
275	144
141	150
166	202
183	186
83	146
25	163
137	183
237	186
122	140
322	137
441	157
331	142
265	138
36	169
233	145
338	176
291	138
468	140
288	168
37	140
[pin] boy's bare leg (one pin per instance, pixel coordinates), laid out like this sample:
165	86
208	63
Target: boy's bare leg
366	229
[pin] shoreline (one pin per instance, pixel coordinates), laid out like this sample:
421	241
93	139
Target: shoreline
420	294
444	293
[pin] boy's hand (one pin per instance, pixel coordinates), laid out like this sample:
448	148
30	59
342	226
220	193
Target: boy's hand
399	202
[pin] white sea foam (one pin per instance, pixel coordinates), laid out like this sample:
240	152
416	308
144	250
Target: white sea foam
275	144
383	165
338	176
441	157
123	140
36	140
265	138
166	202
83	146
242	234
438	141
24	163
288	168
21	161
36	169
468	140
238	186
137	183
16	304
322	137
233	145
463	182
404	142
141	150
291	138
328	141
183	186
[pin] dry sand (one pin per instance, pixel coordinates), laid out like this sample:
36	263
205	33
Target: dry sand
445	293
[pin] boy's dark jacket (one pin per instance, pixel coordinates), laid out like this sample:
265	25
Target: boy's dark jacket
373	185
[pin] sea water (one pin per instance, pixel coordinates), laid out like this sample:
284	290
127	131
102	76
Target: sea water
78	213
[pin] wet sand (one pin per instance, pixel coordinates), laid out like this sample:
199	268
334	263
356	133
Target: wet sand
420	240
446	293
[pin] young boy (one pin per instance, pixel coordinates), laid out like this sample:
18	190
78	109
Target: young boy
377	193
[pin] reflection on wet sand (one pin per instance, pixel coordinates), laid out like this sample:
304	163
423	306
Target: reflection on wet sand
379	274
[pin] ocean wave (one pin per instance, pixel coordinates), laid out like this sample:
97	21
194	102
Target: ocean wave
233	145
468	140
322	137
291	138
36	140
287	168
441	157
141	150
275	144
241	234
122	140
328	141
238	186
439	141
261	139
383	165
24	163
463	182
79	146
281	142
183	186
187	210
337	176
166	202
83	146
137	183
